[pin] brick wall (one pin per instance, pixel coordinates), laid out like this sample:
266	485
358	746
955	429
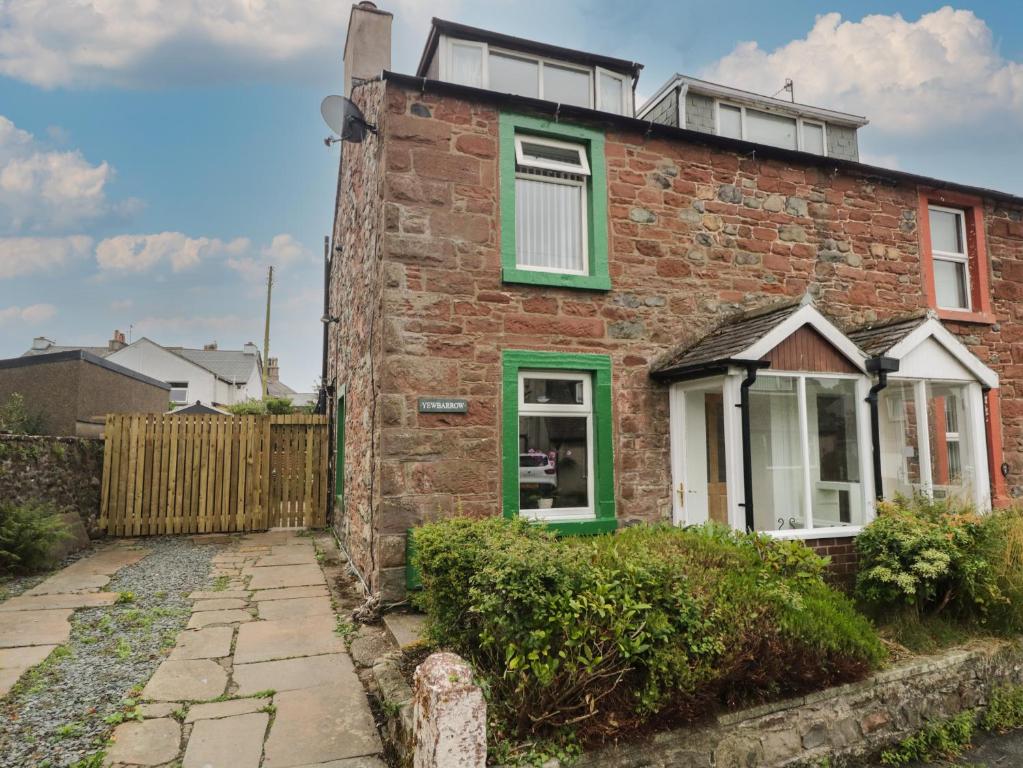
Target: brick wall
695	234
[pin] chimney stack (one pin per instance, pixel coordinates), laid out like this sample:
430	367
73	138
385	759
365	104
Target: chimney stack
368	44
273	370
40	343
116	342
211	347
250	348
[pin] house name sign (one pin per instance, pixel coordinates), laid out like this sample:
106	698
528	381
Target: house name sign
443	405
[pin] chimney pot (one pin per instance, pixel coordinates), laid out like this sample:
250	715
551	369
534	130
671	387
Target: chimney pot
211	347
273	370
367	45
116	342
41	342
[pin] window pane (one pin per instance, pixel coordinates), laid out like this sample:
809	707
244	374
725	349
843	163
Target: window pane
467	65
900	449
729	121
553	462
612	91
548	225
946	231
813	138
566	155
834	452
179	391
950	284
513	75
771	129
552	391
776	450
952	470
566	86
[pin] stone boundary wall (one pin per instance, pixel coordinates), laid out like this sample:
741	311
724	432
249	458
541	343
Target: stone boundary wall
839	724
64	470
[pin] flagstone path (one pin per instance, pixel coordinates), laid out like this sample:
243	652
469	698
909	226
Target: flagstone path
33	624
260	677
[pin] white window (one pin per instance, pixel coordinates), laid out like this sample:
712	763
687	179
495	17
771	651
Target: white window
806	450
950	257
813	137
567	85
739	122
555	445
466	63
513	74
179	391
729	121
612	92
767	128
550	206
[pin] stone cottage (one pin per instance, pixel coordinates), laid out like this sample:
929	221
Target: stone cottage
550	307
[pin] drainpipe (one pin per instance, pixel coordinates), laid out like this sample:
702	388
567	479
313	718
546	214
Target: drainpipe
747	452
882	366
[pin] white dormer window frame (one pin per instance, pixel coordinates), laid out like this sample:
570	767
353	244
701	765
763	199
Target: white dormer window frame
799	120
593	74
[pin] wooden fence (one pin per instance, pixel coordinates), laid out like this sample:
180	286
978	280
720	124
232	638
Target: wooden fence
166	474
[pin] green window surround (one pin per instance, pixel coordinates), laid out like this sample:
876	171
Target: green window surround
512	124
599	367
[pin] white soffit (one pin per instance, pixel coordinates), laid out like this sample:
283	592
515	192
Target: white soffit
932	329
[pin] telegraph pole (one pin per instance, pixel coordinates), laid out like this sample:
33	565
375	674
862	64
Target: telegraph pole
266	334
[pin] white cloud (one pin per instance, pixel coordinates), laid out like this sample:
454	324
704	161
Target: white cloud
33	313
140	253
909	77
282	252
46	190
120	305
131	43
179	328
28	255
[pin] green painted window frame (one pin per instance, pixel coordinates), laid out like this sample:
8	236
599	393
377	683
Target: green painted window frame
598	279
599	366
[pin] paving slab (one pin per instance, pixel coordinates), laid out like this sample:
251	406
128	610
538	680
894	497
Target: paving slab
186	680
206	643
276	576
48	627
315	725
73	583
406	628
288	593
296	608
151	742
292	674
14	662
225	709
106	562
269	640
206	618
58	600
219	604
160	709
352	762
306	556
240	594
231	742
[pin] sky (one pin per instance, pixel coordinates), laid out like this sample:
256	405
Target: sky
156	157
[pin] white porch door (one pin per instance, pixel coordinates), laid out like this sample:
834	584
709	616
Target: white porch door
699	447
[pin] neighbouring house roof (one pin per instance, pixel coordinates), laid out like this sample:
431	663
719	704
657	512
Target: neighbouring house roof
877	338
441	27
738	95
659	130
53	348
231	365
46	358
198	408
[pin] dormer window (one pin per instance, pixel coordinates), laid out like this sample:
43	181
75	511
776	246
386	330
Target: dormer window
778	130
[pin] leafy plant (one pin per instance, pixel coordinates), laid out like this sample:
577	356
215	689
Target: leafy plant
276	406
944	739
599	634
17	418
28	531
1005	710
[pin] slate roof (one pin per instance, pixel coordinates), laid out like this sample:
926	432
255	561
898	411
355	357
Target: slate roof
231	365
53	348
727	340
878	338
39	357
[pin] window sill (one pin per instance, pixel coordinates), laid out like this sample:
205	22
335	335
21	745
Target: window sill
555	279
810	534
963	316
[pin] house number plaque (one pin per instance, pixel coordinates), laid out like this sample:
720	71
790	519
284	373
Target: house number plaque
443	405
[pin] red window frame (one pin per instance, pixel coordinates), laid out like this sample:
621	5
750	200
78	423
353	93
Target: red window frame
976	246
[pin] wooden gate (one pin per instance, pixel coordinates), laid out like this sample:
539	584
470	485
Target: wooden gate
166	474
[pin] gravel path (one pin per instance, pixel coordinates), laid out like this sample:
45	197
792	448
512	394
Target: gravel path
59	713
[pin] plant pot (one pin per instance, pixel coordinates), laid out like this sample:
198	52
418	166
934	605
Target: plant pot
546	503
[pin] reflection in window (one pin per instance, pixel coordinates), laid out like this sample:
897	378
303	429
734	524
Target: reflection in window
899	430
837	491
776	450
952	470
555	446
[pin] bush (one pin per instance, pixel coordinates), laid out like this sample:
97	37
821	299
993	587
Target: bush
602	634
27	532
276	406
18	419
941	558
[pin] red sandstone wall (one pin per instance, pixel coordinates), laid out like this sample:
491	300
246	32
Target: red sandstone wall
695	234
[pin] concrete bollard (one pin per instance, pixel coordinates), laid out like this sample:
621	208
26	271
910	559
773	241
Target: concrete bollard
449	715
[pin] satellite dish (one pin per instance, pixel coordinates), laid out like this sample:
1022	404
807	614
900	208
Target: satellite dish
345	120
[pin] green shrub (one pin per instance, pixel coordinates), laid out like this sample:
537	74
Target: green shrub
944	739
603	633
1005	710
941	558
276	406
27	532
17	418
